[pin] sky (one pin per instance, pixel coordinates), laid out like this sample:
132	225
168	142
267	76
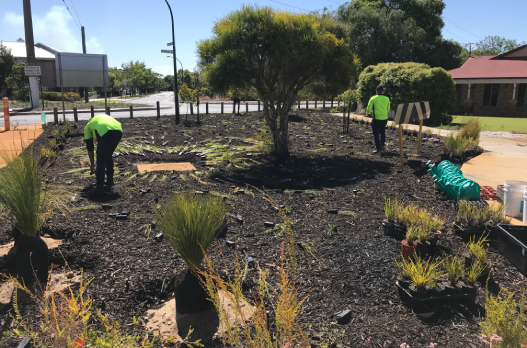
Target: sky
137	30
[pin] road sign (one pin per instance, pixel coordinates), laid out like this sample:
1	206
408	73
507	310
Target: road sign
170	44
32	70
167	51
125	82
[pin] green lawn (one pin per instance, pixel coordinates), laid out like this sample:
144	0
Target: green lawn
518	125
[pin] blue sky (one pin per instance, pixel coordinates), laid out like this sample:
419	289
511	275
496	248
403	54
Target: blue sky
138	29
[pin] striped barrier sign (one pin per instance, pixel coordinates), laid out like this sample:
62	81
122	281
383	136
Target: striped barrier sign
408	113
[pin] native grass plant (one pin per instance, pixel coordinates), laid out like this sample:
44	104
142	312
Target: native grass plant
474	272
476	217
27	201
506	318
64	322
471	131
191	224
455	268
46	152
392	209
256	332
412	234
265	140
477	250
424	233
465	140
420	272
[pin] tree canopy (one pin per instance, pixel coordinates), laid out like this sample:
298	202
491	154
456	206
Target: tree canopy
384	31
278	53
6	65
494	45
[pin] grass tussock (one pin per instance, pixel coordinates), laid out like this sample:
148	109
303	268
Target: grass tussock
466	139
191	224
476	217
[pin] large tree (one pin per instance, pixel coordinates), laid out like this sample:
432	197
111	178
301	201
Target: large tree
399	31
494	45
18	83
277	53
6	64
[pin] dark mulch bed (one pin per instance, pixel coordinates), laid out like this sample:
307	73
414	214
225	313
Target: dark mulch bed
353	269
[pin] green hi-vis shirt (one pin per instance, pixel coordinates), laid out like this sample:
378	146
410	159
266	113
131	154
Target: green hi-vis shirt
380	105
102	124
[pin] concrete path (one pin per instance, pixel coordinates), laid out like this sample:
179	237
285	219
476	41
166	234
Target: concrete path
13	141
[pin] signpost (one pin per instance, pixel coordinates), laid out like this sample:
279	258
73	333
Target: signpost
170	44
125	83
32	70
407	113
167	51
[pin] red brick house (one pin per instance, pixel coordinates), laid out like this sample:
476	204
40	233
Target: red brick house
493	85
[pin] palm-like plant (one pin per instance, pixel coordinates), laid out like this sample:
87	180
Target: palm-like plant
191	224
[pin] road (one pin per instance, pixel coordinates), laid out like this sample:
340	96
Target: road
164	98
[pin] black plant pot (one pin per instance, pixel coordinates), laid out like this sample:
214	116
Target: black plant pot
190	295
388	228
470	290
453	290
422	249
399	231
61	146
32	260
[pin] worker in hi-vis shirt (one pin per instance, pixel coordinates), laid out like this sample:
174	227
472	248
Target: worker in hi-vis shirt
380	105
108	133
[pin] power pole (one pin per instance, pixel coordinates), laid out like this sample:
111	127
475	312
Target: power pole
30	54
84	51
470	50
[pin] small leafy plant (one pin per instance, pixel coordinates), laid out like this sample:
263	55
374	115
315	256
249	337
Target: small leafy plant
391	209
474	272
413	233
332	230
420	272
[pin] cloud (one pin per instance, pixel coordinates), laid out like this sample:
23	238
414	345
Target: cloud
55	28
14	19
164	69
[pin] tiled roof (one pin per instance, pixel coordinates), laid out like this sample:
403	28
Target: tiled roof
486	67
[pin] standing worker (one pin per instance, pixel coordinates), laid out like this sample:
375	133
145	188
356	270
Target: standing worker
380	105
108	133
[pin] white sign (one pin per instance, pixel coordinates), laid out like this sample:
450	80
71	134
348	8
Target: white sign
32	70
77	69
125	82
167	51
170	44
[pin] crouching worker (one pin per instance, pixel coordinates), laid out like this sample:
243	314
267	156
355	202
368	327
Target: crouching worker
380	105
108	133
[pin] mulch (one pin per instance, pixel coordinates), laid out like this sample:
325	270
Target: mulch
352	269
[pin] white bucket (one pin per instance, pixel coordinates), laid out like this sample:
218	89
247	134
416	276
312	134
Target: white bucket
525	207
513	197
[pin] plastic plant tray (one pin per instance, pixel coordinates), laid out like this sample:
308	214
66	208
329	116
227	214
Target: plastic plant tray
512	243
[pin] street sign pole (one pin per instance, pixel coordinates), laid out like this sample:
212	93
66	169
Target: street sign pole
176	98
86	99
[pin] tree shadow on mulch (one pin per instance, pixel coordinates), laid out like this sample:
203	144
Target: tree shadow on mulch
307	173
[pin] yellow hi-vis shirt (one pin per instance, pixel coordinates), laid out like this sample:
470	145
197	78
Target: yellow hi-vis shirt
380	105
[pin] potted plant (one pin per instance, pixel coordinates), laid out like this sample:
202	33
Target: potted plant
391	210
478	255
408	245
472	276
423	245
424	274
405	268
455	268
191	223
474	220
27	200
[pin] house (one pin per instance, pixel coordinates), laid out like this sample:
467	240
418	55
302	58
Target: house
493	85
44	56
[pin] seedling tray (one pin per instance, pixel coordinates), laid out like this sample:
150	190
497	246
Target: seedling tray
433	300
512	243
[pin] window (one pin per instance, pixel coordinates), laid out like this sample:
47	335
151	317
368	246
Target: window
490	95
522	95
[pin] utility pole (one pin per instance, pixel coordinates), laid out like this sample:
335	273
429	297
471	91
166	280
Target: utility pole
176	98
30	54
470	49
84	51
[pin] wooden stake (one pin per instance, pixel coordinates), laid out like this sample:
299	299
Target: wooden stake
401	142
420	137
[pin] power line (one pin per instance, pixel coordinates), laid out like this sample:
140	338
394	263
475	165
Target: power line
338	3
71	14
281	3
463	29
455	35
75	10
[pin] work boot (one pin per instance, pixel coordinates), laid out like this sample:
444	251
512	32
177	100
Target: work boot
375	151
96	191
382	149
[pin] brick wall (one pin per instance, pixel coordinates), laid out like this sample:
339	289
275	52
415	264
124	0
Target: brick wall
503	107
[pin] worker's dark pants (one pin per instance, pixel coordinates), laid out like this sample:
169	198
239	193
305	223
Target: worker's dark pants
379	132
106	145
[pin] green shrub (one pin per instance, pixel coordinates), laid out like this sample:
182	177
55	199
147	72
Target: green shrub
408	83
471	131
56	96
191	224
507	319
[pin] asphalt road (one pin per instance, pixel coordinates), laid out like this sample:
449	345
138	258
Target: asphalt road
164	98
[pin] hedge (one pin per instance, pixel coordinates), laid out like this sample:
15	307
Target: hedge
408	83
55	96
